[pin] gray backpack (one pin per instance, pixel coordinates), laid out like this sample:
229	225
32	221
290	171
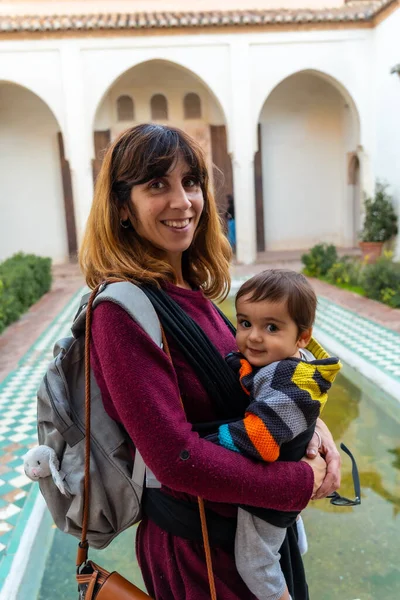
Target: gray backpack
116	481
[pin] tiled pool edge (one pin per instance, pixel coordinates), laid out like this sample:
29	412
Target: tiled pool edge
378	377
28	532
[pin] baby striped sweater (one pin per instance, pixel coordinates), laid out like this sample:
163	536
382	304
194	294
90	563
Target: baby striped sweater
286	397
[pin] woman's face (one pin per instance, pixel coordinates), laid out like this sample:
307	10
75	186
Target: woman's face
167	210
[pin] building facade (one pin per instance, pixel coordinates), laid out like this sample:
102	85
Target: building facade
296	107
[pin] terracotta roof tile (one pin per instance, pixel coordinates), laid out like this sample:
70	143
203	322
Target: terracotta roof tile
353	11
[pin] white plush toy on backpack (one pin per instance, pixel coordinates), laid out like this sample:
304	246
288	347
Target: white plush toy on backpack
42	461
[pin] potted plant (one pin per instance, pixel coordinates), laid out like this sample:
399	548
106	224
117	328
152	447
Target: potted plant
380	223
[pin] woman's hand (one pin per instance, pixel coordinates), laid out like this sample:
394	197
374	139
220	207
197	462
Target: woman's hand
319	468
331	454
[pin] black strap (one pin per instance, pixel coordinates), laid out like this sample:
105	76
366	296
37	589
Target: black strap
218	379
182	518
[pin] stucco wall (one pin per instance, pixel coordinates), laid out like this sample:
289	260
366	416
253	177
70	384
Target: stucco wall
303	154
386	93
31	200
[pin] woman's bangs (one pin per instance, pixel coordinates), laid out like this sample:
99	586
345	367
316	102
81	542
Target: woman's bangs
194	160
161	156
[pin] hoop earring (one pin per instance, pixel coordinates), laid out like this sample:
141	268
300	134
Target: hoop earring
125	224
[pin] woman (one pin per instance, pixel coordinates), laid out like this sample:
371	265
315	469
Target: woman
154	221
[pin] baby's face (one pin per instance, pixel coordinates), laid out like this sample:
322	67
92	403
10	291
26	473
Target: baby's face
266	332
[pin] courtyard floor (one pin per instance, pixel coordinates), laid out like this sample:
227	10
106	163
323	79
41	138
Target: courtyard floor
366	330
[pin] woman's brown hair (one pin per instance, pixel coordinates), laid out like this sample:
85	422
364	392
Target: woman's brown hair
138	155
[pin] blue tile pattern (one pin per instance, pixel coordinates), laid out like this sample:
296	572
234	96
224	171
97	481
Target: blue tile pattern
18	430
372	342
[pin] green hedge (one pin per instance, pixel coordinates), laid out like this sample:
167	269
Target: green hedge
319	260
24	278
379	281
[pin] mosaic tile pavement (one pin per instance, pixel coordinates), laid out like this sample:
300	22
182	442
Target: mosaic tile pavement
372	342
369	340
18	420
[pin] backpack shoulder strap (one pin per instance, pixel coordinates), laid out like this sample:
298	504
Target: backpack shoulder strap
129	297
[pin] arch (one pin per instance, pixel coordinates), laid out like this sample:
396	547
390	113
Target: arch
32	134
309	129
158	59
192	106
333	80
125	108
38	95
159	107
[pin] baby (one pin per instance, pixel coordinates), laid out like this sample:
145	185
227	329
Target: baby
287	375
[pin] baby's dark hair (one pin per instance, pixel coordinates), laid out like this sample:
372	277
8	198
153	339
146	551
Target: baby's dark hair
282	284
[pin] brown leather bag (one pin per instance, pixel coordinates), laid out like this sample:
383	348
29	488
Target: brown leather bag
94	582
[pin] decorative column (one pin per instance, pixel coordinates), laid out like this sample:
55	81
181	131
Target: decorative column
78	134
242	138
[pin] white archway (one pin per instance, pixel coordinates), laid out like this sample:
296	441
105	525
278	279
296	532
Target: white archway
31	190
161	79
308	127
117	69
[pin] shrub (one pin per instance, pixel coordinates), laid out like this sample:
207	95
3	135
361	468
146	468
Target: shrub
319	260
381	281
380	222
24	278
346	271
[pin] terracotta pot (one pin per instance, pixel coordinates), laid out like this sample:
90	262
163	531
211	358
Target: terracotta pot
371	251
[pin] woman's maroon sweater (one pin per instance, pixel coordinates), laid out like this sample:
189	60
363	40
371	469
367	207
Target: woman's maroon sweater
142	390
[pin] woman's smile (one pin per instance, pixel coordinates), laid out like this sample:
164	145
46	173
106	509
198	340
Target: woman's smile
179	225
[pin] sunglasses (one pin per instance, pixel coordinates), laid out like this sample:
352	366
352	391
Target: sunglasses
339	500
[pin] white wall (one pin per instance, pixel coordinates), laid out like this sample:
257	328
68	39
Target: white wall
304	165
385	89
31	198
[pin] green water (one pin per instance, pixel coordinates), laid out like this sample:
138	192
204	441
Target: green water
354	553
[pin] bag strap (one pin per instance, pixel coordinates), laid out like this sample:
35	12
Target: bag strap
148	325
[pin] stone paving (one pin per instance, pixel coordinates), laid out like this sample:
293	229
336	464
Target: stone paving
370	329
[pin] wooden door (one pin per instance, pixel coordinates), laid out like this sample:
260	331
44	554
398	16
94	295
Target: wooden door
258	184
223	178
68	201
101	141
